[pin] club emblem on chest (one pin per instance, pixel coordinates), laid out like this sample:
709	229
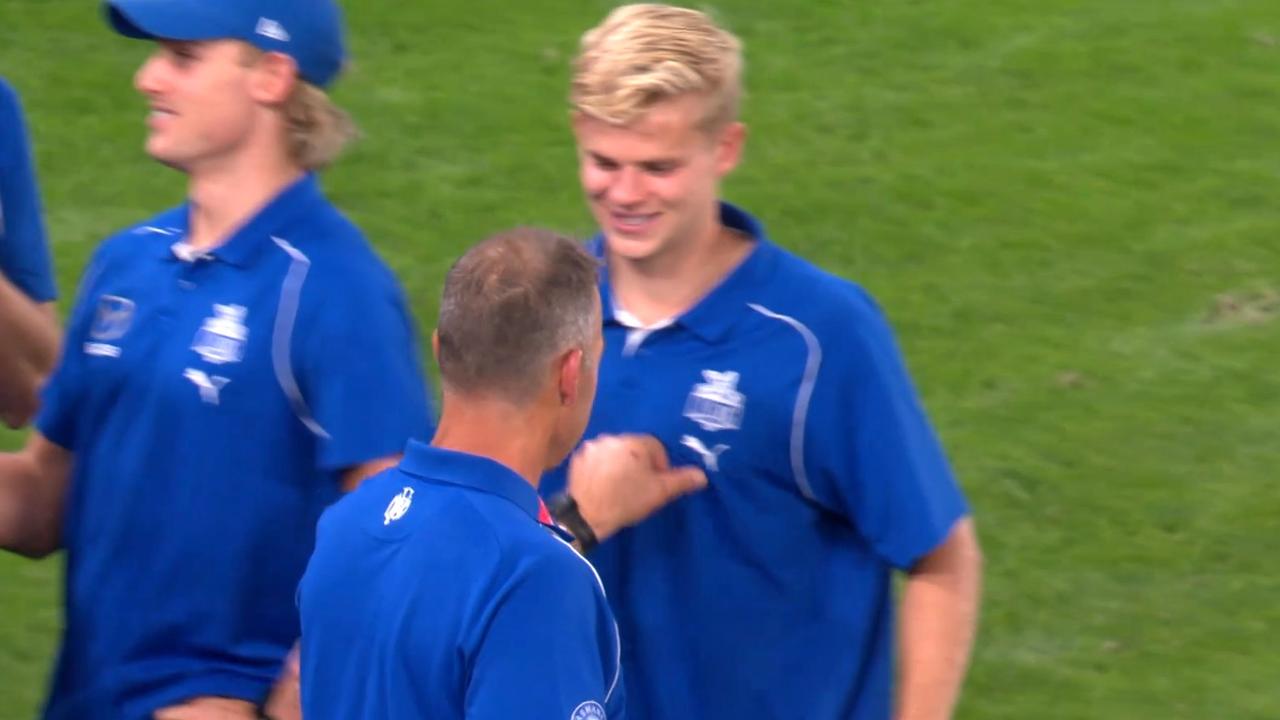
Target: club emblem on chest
716	404
111	321
222	337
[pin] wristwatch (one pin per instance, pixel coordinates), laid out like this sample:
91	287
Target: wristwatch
564	510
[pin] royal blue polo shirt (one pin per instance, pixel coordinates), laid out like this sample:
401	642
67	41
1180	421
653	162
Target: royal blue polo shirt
768	595
212	401
435	592
24	248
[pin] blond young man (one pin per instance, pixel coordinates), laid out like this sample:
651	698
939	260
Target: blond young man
768	594
231	366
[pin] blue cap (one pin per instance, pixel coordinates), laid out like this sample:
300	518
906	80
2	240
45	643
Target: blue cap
309	31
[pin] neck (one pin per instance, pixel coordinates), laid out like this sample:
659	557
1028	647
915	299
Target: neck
225	196
496	429
670	283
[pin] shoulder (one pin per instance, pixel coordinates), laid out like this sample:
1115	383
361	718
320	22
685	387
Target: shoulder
543	560
13	133
819	303
376	490
10	104
335	252
160	230
326	238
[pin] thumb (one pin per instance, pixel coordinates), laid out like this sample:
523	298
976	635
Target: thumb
685	479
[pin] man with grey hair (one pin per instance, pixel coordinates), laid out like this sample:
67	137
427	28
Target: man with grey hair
440	588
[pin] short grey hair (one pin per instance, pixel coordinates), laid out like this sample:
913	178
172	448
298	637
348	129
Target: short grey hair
510	305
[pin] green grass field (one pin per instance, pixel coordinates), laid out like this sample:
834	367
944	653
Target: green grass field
1068	207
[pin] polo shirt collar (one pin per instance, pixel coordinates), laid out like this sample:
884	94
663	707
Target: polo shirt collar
470	471
253	237
712	316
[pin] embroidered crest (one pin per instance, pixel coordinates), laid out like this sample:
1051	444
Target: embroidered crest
222	337
113	318
589	710
398	506
716	404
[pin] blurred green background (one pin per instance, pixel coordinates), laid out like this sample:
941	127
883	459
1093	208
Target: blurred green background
1068	208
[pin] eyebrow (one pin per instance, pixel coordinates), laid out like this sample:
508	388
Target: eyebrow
648	162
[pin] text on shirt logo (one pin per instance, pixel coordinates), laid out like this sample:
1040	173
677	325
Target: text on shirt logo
716	404
222	337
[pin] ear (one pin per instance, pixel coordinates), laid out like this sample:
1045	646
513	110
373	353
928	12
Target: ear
729	147
435	345
568	373
274	76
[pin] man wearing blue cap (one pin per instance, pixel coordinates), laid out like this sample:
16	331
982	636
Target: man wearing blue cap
231	366
26	275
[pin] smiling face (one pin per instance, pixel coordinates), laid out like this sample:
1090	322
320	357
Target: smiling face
200	98
653	184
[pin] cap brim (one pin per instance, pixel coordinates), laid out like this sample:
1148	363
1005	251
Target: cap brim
166	20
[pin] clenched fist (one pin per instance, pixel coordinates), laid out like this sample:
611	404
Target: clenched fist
619	480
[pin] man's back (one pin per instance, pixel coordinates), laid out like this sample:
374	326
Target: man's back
434	592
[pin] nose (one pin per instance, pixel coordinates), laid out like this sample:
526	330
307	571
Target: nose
627	187
148	77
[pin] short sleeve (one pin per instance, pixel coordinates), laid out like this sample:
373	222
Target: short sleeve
869	447
60	397
361	371
549	650
24	247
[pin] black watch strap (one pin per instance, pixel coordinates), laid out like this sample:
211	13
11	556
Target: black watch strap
564	509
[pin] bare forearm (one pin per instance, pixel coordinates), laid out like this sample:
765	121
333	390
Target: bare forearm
938	621
33	484
17	496
29	328
27	353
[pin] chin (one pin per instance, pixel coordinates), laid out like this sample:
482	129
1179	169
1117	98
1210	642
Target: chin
632	248
165	158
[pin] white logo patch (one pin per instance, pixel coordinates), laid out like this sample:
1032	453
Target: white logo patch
710	457
111	321
398	506
589	710
716	404
222	337
101	349
209	387
270	28
113	318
